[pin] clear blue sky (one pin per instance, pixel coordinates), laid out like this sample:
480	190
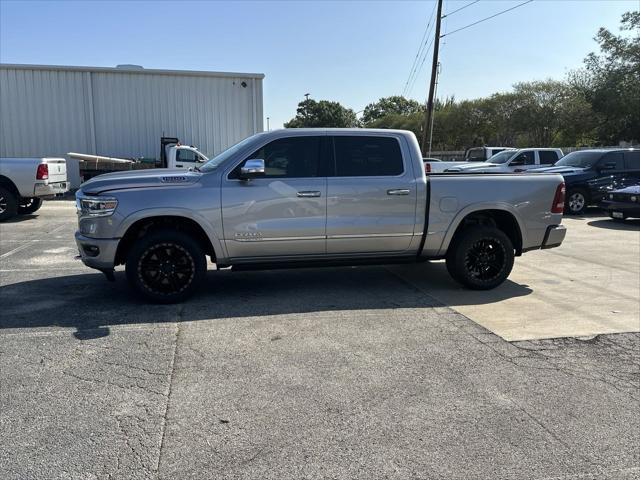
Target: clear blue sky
352	52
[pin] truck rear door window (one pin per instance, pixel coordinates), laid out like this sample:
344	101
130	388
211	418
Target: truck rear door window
365	156
548	157
632	160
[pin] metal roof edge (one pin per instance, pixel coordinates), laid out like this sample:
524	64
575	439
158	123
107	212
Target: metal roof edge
141	71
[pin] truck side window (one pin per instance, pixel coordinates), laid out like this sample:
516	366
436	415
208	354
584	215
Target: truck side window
186	156
525	158
548	157
294	157
612	157
632	160
365	156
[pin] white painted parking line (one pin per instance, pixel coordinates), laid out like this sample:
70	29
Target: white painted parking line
17	249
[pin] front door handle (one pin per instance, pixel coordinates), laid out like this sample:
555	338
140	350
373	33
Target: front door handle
308	194
399	191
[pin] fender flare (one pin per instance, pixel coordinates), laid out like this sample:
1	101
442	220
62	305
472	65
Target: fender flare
479	207
206	226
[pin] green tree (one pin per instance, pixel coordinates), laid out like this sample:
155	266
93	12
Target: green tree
394	105
322	114
610	82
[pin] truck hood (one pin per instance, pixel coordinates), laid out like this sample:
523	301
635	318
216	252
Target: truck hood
470	166
156	177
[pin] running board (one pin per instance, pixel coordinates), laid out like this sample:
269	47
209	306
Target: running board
325	263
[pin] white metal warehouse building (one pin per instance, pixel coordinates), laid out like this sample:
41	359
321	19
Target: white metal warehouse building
122	112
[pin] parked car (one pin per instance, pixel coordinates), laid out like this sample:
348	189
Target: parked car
591	174
513	160
623	203
25	182
303	197
481	154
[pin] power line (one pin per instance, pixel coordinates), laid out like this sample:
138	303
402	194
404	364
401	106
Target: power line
416	60
422	44
488	18
461	8
419	68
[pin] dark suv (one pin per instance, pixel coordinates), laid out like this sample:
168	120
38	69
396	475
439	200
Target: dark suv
591	174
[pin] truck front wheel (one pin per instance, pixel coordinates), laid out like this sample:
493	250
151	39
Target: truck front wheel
166	266
29	205
8	204
480	257
576	202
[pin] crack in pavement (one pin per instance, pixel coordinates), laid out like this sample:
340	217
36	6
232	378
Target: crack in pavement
172	369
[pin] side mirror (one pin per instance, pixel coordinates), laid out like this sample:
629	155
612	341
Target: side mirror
252	169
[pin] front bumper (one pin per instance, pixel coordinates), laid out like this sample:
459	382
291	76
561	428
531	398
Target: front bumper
50	189
628	209
98	253
554	236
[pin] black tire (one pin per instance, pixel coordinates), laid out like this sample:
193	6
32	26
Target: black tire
576	202
29	205
8	204
166	266
480	258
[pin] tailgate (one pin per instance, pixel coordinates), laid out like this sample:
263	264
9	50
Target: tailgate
57	169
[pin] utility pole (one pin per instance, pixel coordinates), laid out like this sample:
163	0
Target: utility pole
434	71
268	129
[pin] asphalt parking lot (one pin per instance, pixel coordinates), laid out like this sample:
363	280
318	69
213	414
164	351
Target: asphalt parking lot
368	372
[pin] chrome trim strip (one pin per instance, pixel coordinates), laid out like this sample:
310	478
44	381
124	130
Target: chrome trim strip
374	235
277	239
321	237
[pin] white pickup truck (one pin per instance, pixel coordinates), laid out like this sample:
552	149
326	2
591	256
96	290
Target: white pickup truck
24	182
512	161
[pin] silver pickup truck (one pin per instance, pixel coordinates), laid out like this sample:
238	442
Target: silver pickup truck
312	197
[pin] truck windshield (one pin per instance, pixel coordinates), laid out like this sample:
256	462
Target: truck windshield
216	161
579	159
502	157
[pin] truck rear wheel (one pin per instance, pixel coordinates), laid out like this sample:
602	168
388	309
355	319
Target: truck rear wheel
8	204
480	257
29	205
166	266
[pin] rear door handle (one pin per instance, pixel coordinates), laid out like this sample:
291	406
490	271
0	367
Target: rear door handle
399	191
308	194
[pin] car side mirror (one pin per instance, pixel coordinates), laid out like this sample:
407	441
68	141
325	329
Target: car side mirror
252	169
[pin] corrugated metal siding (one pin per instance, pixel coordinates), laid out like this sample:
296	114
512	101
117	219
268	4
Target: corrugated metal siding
42	113
123	112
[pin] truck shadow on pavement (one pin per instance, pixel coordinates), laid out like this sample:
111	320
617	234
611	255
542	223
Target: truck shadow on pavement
90	304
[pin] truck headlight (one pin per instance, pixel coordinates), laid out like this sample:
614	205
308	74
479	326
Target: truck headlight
634	198
611	196
97	206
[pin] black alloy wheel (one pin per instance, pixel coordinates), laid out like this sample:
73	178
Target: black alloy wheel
485	259
480	257
166	266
